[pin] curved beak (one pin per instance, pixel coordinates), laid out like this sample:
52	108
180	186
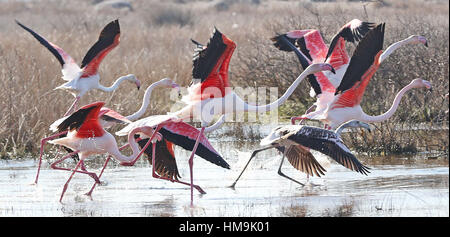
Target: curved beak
138	84
176	86
333	71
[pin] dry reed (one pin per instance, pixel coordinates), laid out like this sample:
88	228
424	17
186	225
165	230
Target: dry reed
155	44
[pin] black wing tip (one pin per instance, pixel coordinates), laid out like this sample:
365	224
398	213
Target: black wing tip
23	26
113	26
199	45
17	22
281	42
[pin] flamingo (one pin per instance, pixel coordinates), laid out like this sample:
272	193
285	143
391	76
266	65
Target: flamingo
211	94
82	79
309	41
311	48
365	61
86	136
107	118
294	141
345	104
165	164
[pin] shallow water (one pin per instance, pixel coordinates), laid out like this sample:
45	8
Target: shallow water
396	186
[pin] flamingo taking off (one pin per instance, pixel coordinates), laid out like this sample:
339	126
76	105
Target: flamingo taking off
345	104
82	79
294	141
324	85
309	47
86	136
107	118
210	94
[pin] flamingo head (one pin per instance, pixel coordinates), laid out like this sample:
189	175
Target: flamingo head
418	83
357	124
132	78
169	83
418	39
318	67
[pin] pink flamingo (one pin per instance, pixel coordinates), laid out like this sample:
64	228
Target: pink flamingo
310	48
107	118
82	79
363	64
86	136
308	41
211	94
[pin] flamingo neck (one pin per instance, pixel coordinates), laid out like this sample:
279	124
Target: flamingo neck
145	102
215	125
134	147
389	50
115	84
281	100
367	118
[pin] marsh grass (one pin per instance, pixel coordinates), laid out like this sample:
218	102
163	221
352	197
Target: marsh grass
155	44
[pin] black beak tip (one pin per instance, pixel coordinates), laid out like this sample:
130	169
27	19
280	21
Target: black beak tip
333	71
426	44
138	87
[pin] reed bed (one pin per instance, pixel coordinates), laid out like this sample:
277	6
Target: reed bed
155	43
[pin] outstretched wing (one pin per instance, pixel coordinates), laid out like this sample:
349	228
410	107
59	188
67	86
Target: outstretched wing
302	160
328	143
110	115
309	42
108	39
70	69
318	81
352	32
363	65
210	67
84	121
150	121
185	135
165	163
206	59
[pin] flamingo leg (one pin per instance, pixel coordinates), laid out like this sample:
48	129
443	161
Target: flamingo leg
73	106
155	175
104	166
281	173
248	162
131	163
191	164
309	110
67	183
43	141
92	174
100	175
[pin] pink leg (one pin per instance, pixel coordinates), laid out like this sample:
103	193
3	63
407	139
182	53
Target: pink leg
104	166
131	163
100	175
293	119
191	164
72	107
67	183
309	110
92	174
43	141
155	175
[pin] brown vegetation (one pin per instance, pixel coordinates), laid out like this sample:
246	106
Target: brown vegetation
155	44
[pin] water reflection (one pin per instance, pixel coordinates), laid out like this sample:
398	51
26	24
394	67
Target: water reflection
396	186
